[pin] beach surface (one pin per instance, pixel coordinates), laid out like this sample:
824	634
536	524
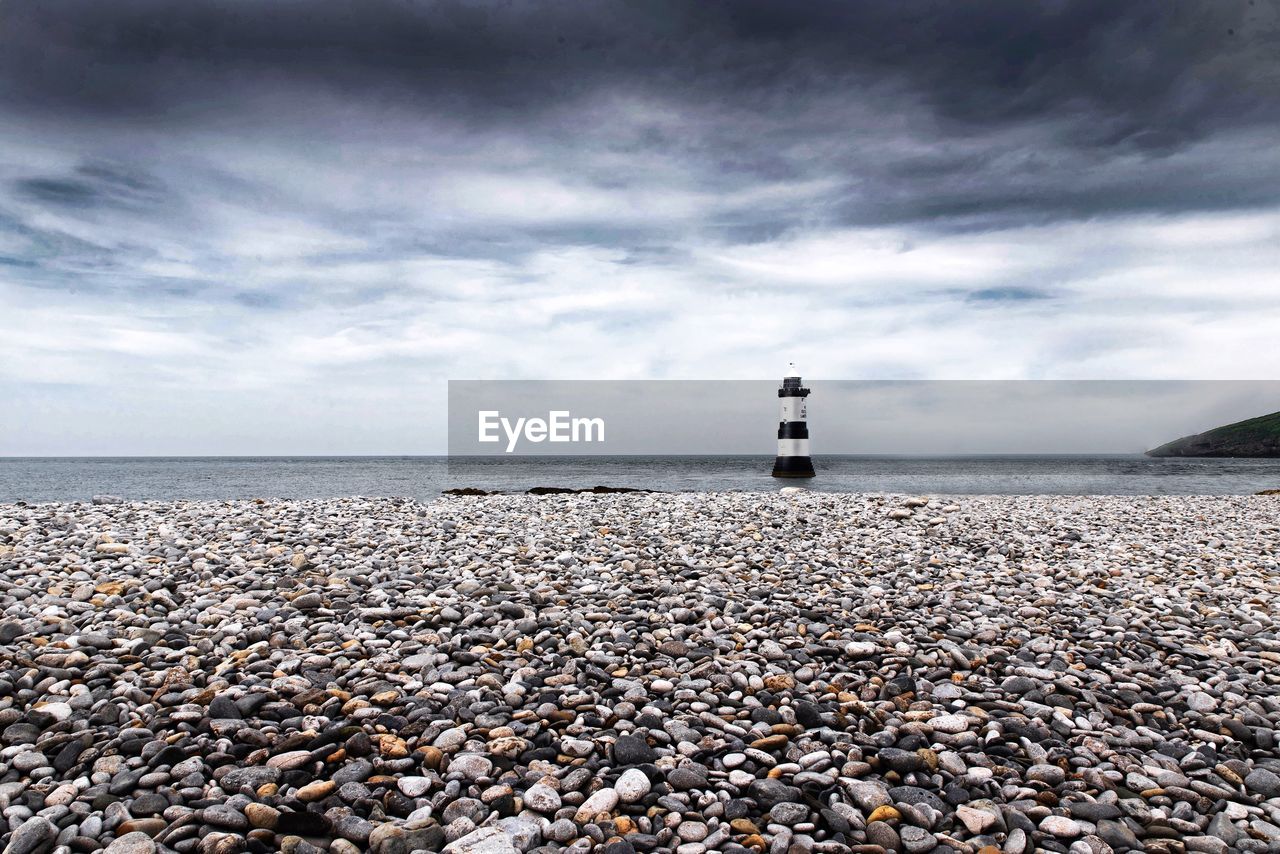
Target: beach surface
630	673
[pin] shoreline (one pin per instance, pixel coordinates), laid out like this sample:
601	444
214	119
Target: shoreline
674	672
455	493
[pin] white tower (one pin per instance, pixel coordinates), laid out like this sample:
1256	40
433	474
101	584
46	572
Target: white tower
793	429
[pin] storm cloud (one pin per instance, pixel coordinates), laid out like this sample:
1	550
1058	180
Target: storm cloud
281	226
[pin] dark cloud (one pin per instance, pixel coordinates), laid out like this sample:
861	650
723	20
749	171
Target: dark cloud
1009	294
92	185
1153	72
957	115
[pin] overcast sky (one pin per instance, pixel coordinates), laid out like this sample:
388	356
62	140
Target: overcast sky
280	227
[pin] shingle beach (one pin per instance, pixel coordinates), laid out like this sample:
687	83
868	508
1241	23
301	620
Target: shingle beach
642	673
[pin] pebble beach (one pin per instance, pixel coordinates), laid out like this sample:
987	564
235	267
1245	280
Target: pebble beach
680	673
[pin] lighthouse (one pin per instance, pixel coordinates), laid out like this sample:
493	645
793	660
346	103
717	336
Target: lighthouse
793	428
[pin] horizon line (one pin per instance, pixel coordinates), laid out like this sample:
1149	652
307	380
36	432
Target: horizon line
513	457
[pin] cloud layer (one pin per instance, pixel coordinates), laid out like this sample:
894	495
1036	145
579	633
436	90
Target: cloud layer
264	228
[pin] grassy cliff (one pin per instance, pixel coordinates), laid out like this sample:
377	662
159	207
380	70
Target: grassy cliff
1257	437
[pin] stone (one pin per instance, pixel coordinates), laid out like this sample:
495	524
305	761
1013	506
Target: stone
308	602
223	816
471	766
149	827
1018	685
789	813
290	760
562	830
315	791
688	777
950	724
1264	782
525	833
483	840
916	839
252	777
861	649
542	798
770	792
407	837
901	761
884	835
885	813
868	794
632	750
414	787
33	835
1050	775
136	842
631	787
976	820
1016	842
1221	826
602	801
1199	701
262	815
1061	827
691	831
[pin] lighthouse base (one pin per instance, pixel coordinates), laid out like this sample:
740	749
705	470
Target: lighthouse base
793	467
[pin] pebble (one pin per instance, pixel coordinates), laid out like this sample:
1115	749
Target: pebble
632	750
31	836
414	787
635	673
132	843
602	801
917	839
1050	775
950	724
544	799
1264	782
484	840
632	786
1061	826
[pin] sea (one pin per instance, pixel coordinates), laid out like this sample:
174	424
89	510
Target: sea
420	477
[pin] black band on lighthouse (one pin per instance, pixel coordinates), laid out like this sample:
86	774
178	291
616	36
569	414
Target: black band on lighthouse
793	467
793	430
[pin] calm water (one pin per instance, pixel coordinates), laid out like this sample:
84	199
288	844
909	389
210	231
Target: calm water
70	479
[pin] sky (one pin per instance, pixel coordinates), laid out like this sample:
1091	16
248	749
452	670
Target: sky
281	227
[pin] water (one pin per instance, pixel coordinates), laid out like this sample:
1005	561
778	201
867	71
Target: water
156	478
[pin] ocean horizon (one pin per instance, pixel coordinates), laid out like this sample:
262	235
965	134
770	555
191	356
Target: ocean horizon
423	477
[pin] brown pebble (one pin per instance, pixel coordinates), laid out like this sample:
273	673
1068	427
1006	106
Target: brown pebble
261	815
149	826
431	756
316	790
770	742
884	813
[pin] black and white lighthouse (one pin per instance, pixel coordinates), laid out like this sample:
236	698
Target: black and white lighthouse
793	429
